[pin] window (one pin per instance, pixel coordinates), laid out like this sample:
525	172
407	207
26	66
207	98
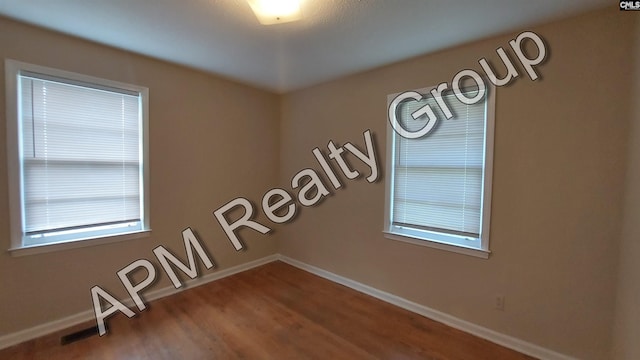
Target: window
77	157
439	187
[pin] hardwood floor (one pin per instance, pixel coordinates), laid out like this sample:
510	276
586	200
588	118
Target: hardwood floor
272	312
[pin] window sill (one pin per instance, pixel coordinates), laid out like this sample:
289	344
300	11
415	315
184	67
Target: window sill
74	244
484	254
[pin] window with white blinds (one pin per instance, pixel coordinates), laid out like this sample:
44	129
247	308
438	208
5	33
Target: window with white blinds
82	158
438	183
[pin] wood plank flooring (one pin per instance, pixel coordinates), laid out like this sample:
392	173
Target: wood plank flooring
275	311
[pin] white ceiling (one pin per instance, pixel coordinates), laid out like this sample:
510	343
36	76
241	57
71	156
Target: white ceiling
335	38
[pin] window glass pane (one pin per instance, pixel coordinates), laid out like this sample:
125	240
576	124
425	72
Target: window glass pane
438	178
81	155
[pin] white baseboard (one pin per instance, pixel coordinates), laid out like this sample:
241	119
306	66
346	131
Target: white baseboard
215	275
88	315
477	330
44	329
482	332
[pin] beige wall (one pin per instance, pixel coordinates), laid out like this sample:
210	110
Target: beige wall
210	141
558	192
627	324
560	152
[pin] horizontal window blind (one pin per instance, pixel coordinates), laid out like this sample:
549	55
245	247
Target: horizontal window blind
438	178
81	156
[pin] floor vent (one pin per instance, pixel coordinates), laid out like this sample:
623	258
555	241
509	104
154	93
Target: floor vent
79	335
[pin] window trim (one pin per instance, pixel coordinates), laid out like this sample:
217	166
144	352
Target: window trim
13	69
412	236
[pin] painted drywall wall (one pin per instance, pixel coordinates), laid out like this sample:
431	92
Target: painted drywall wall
558	185
211	140
559	165
627	320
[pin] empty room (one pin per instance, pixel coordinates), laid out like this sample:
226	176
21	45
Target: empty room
319	179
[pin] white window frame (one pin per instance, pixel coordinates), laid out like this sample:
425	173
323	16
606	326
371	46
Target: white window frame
479	247
13	69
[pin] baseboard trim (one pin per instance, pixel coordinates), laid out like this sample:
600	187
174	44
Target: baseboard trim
44	329
88	315
457	323
216	275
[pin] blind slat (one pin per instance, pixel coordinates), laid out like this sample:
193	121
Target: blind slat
438	178
81	155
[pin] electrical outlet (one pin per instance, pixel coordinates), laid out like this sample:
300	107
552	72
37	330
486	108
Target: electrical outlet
500	302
